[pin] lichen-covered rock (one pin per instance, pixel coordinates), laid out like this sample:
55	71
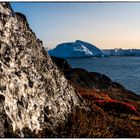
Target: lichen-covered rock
33	92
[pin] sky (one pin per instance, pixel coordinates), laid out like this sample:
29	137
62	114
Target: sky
105	25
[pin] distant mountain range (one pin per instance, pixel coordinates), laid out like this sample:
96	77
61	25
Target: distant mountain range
122	52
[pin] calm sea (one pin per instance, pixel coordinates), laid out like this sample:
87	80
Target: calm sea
125	70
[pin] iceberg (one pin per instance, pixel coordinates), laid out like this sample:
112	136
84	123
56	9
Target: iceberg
76	49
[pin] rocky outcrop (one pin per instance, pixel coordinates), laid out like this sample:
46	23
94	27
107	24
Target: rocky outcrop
83	78
88	81
34	94
61	63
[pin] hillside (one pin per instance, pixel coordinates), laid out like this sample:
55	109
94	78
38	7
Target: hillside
114	112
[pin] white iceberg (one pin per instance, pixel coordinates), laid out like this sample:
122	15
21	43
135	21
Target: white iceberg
76	49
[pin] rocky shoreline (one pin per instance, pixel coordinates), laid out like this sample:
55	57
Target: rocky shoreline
42	96
110	101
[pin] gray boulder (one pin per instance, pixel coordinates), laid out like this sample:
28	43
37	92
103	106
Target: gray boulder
34	94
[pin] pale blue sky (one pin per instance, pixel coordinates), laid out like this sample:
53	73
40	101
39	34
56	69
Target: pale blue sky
106	25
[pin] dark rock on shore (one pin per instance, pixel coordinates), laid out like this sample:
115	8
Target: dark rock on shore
83	78
117	85
80	77
61	63
94	80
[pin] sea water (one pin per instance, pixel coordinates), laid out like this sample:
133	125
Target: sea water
124	70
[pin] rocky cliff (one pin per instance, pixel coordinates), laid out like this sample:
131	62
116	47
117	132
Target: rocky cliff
34	94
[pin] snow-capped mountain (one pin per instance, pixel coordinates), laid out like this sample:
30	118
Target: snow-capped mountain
76	49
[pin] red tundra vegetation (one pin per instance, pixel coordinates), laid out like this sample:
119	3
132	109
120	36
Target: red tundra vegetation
113	111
